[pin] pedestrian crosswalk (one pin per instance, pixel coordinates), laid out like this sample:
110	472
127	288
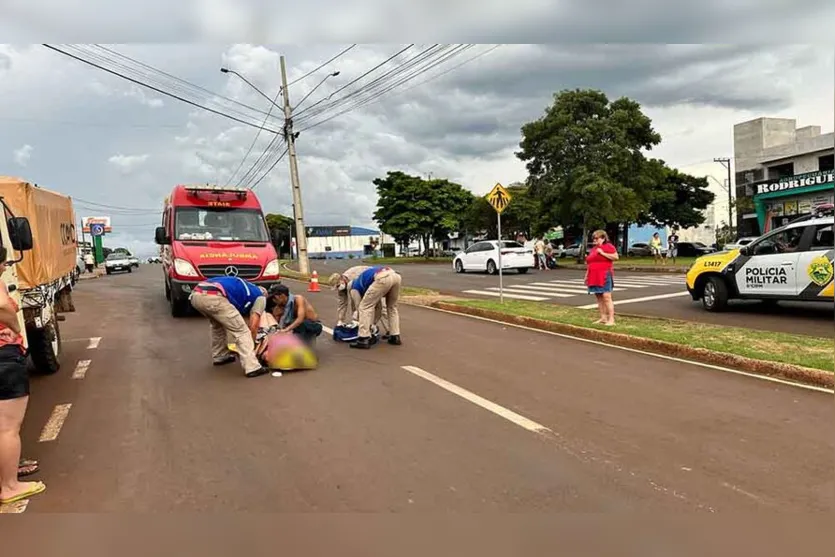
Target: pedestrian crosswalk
566	288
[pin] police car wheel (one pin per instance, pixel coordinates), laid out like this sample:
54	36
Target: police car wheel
715	295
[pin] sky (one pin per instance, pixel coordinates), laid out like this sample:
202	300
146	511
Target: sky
118	148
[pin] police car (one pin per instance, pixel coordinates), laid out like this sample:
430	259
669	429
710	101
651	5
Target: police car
793	262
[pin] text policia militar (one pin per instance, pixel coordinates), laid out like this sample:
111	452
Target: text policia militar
762	276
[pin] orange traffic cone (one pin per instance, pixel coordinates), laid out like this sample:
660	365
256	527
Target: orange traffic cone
314	282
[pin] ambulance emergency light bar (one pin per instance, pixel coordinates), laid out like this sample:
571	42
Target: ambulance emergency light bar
241	193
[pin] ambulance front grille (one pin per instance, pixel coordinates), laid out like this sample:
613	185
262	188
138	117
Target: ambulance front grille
247	272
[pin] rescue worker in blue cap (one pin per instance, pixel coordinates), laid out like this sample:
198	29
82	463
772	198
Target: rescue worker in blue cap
371	287
227	302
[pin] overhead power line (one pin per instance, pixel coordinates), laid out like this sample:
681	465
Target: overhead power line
262	161
255	139
155	88
320	66
275	162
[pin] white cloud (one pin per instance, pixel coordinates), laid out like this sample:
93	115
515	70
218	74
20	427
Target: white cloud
127	163
23	154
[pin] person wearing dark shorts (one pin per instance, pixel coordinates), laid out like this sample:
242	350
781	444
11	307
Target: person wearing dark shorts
600	275
14	397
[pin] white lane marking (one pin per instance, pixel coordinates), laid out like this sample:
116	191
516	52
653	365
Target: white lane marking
581	288
571	291
524	292
497	409
94	343
15	508
81	369
645	353
514	296
741	491
644	299
55	423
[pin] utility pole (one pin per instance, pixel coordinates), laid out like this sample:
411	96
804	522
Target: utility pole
298	215
726	162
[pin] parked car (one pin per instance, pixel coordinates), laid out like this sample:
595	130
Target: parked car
740	242
484	256
117	262
134	261
693	249
574	250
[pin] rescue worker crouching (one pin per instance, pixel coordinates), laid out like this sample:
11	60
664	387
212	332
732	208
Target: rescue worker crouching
346	308
226	301
368	290
295	314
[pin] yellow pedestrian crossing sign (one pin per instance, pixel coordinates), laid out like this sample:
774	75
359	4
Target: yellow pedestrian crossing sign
499	198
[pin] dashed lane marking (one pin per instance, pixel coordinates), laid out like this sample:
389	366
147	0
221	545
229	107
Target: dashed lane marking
643	299
81	369
55	423
497	409
94	343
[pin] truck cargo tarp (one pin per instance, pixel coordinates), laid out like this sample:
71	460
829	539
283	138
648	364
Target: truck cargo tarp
52	219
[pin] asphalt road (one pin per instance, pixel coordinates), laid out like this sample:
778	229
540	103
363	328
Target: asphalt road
561	425
638	293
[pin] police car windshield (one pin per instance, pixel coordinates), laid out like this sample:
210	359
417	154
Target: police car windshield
220	224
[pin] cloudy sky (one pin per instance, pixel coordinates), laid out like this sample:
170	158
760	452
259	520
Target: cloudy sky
118	148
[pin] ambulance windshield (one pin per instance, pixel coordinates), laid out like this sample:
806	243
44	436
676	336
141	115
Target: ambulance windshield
223	225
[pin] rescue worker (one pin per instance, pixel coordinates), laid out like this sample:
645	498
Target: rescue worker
345	306
227	301
369	289
295	314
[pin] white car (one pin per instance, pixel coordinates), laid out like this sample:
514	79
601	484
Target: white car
740	243
118	262
484	256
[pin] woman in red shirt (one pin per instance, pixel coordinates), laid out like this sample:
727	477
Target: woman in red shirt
14	396
600	274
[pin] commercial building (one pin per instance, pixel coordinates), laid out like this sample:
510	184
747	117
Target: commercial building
782	172
343	242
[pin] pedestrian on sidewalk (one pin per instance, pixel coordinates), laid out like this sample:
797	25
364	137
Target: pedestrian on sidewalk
227	302
539	248
600	275
655	248
295	314
672	246
89	262
369	289
14	398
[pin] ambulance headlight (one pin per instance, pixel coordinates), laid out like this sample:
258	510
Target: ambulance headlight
184	268
272	269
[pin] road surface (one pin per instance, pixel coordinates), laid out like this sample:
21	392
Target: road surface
652	294
466	416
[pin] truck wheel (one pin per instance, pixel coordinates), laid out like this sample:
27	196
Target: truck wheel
178	307
45	348
715	295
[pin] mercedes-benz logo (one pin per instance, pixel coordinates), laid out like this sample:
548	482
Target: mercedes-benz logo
231	271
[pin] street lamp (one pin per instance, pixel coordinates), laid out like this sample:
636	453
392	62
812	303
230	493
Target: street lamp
324	79
248	82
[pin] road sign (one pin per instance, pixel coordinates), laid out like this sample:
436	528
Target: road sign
97	229
499	198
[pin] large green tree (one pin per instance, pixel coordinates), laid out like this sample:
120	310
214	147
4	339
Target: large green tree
678	200
585	159
279	222
410	207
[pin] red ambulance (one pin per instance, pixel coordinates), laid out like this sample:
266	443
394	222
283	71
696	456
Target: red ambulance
211	231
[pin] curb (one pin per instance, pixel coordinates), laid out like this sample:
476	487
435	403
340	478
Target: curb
790	372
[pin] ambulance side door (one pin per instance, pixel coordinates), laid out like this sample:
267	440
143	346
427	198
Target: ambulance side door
771	268
815	269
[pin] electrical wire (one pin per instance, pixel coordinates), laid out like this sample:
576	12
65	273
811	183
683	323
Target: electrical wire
255	185
381	64
261	162
154	88
255	139
322	65
376	97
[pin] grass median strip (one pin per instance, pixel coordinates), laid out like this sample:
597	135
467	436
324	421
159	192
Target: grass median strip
799	350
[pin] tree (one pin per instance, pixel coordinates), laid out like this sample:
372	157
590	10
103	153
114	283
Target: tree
279	222
585	162
678	200
410	207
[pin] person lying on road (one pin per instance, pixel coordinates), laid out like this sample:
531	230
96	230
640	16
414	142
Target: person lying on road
226	302
369	289
295	314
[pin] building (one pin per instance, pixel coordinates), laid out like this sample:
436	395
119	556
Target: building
782	172
343	242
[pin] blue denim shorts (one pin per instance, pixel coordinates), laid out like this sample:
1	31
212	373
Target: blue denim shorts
608	287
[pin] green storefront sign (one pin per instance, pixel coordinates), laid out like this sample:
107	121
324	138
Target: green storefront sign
791	186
